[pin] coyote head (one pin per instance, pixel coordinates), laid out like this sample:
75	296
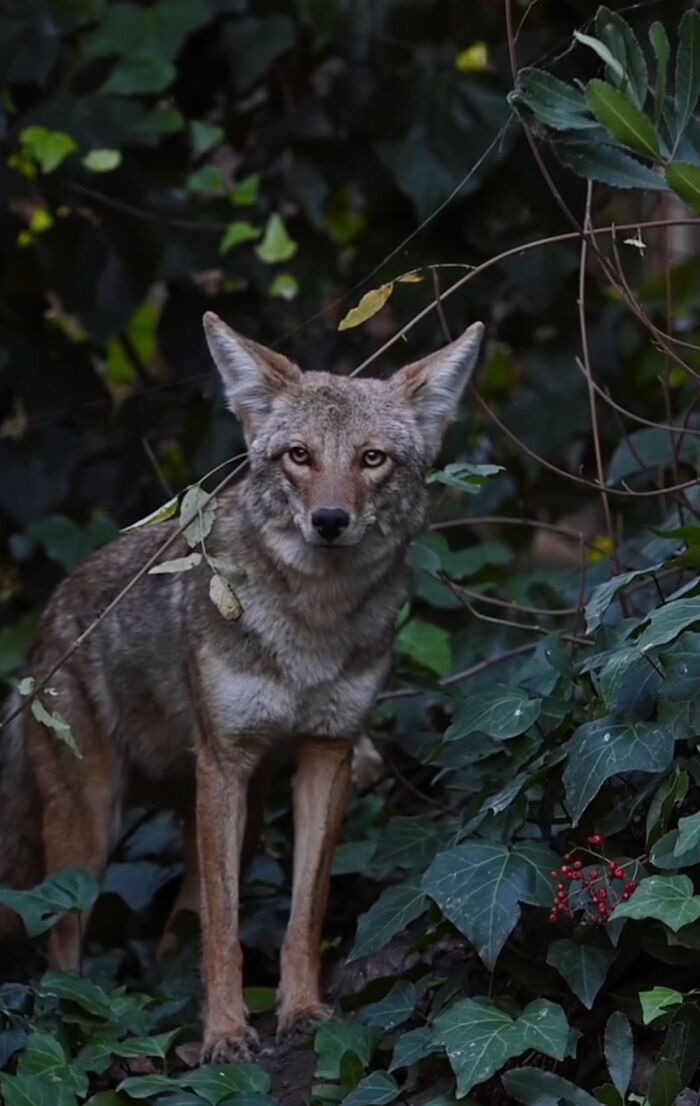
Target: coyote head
337	462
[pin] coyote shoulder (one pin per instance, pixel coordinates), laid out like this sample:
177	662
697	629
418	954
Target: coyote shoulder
172	703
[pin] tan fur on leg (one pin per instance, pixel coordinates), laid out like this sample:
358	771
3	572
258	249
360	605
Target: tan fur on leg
221	818
321	788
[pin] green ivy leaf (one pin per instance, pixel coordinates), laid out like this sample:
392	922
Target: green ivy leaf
501	712
625	121
665	1084
584	966
47	148
536	1087
102	160
687	69
82	992
463	476
144	1086
30	1090
658	1001
71	890
237	233
276	244
285	286
605	748
667	622
688	834
334	1038
205	136
213	1082
669	793
395	1008
412	1046
684	179
45	1058
426	644
208	180
480	1037
139	74
393	911
376	1089
619	1051
246	191
479	888
670	899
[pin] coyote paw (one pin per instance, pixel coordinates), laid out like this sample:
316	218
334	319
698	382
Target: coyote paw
232	1048
299	1025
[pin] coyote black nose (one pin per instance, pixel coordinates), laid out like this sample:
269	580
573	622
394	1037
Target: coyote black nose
329	521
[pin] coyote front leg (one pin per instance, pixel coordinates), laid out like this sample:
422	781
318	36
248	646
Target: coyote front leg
321	788
222	786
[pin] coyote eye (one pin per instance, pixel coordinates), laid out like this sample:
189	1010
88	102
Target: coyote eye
299	455
373	458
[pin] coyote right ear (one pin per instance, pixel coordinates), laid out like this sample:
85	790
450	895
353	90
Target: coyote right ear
251	373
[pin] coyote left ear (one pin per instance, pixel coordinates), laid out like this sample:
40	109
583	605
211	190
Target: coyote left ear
252	374
434	385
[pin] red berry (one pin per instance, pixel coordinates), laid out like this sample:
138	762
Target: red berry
619	873
595	839
603	893
554	873
564	870
561	887
602	908
612	865
595	873
567	856
578	864
625	894
553	917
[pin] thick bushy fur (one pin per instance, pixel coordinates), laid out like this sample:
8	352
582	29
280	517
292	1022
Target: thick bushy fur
166	680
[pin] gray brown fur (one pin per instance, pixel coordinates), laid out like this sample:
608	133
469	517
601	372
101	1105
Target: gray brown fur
166	690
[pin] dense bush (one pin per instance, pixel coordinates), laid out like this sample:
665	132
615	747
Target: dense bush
515	897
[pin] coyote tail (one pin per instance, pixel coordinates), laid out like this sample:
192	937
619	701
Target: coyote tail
20	817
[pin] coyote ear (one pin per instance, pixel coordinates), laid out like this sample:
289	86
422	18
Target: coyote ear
252	374
434	385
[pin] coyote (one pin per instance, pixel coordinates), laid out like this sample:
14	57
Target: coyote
173	704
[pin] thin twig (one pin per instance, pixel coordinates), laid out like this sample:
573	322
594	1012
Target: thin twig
438	300
583	330
622	492
157	469
506	520
524	247
529	628
464	674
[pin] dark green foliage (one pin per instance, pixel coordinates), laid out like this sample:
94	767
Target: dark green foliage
315	171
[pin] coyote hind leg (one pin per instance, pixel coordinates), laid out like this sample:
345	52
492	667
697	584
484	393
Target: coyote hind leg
79	803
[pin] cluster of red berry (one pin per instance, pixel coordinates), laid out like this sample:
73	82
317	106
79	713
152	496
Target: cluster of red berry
589	889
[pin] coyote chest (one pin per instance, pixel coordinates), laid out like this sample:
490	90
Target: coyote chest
279	672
